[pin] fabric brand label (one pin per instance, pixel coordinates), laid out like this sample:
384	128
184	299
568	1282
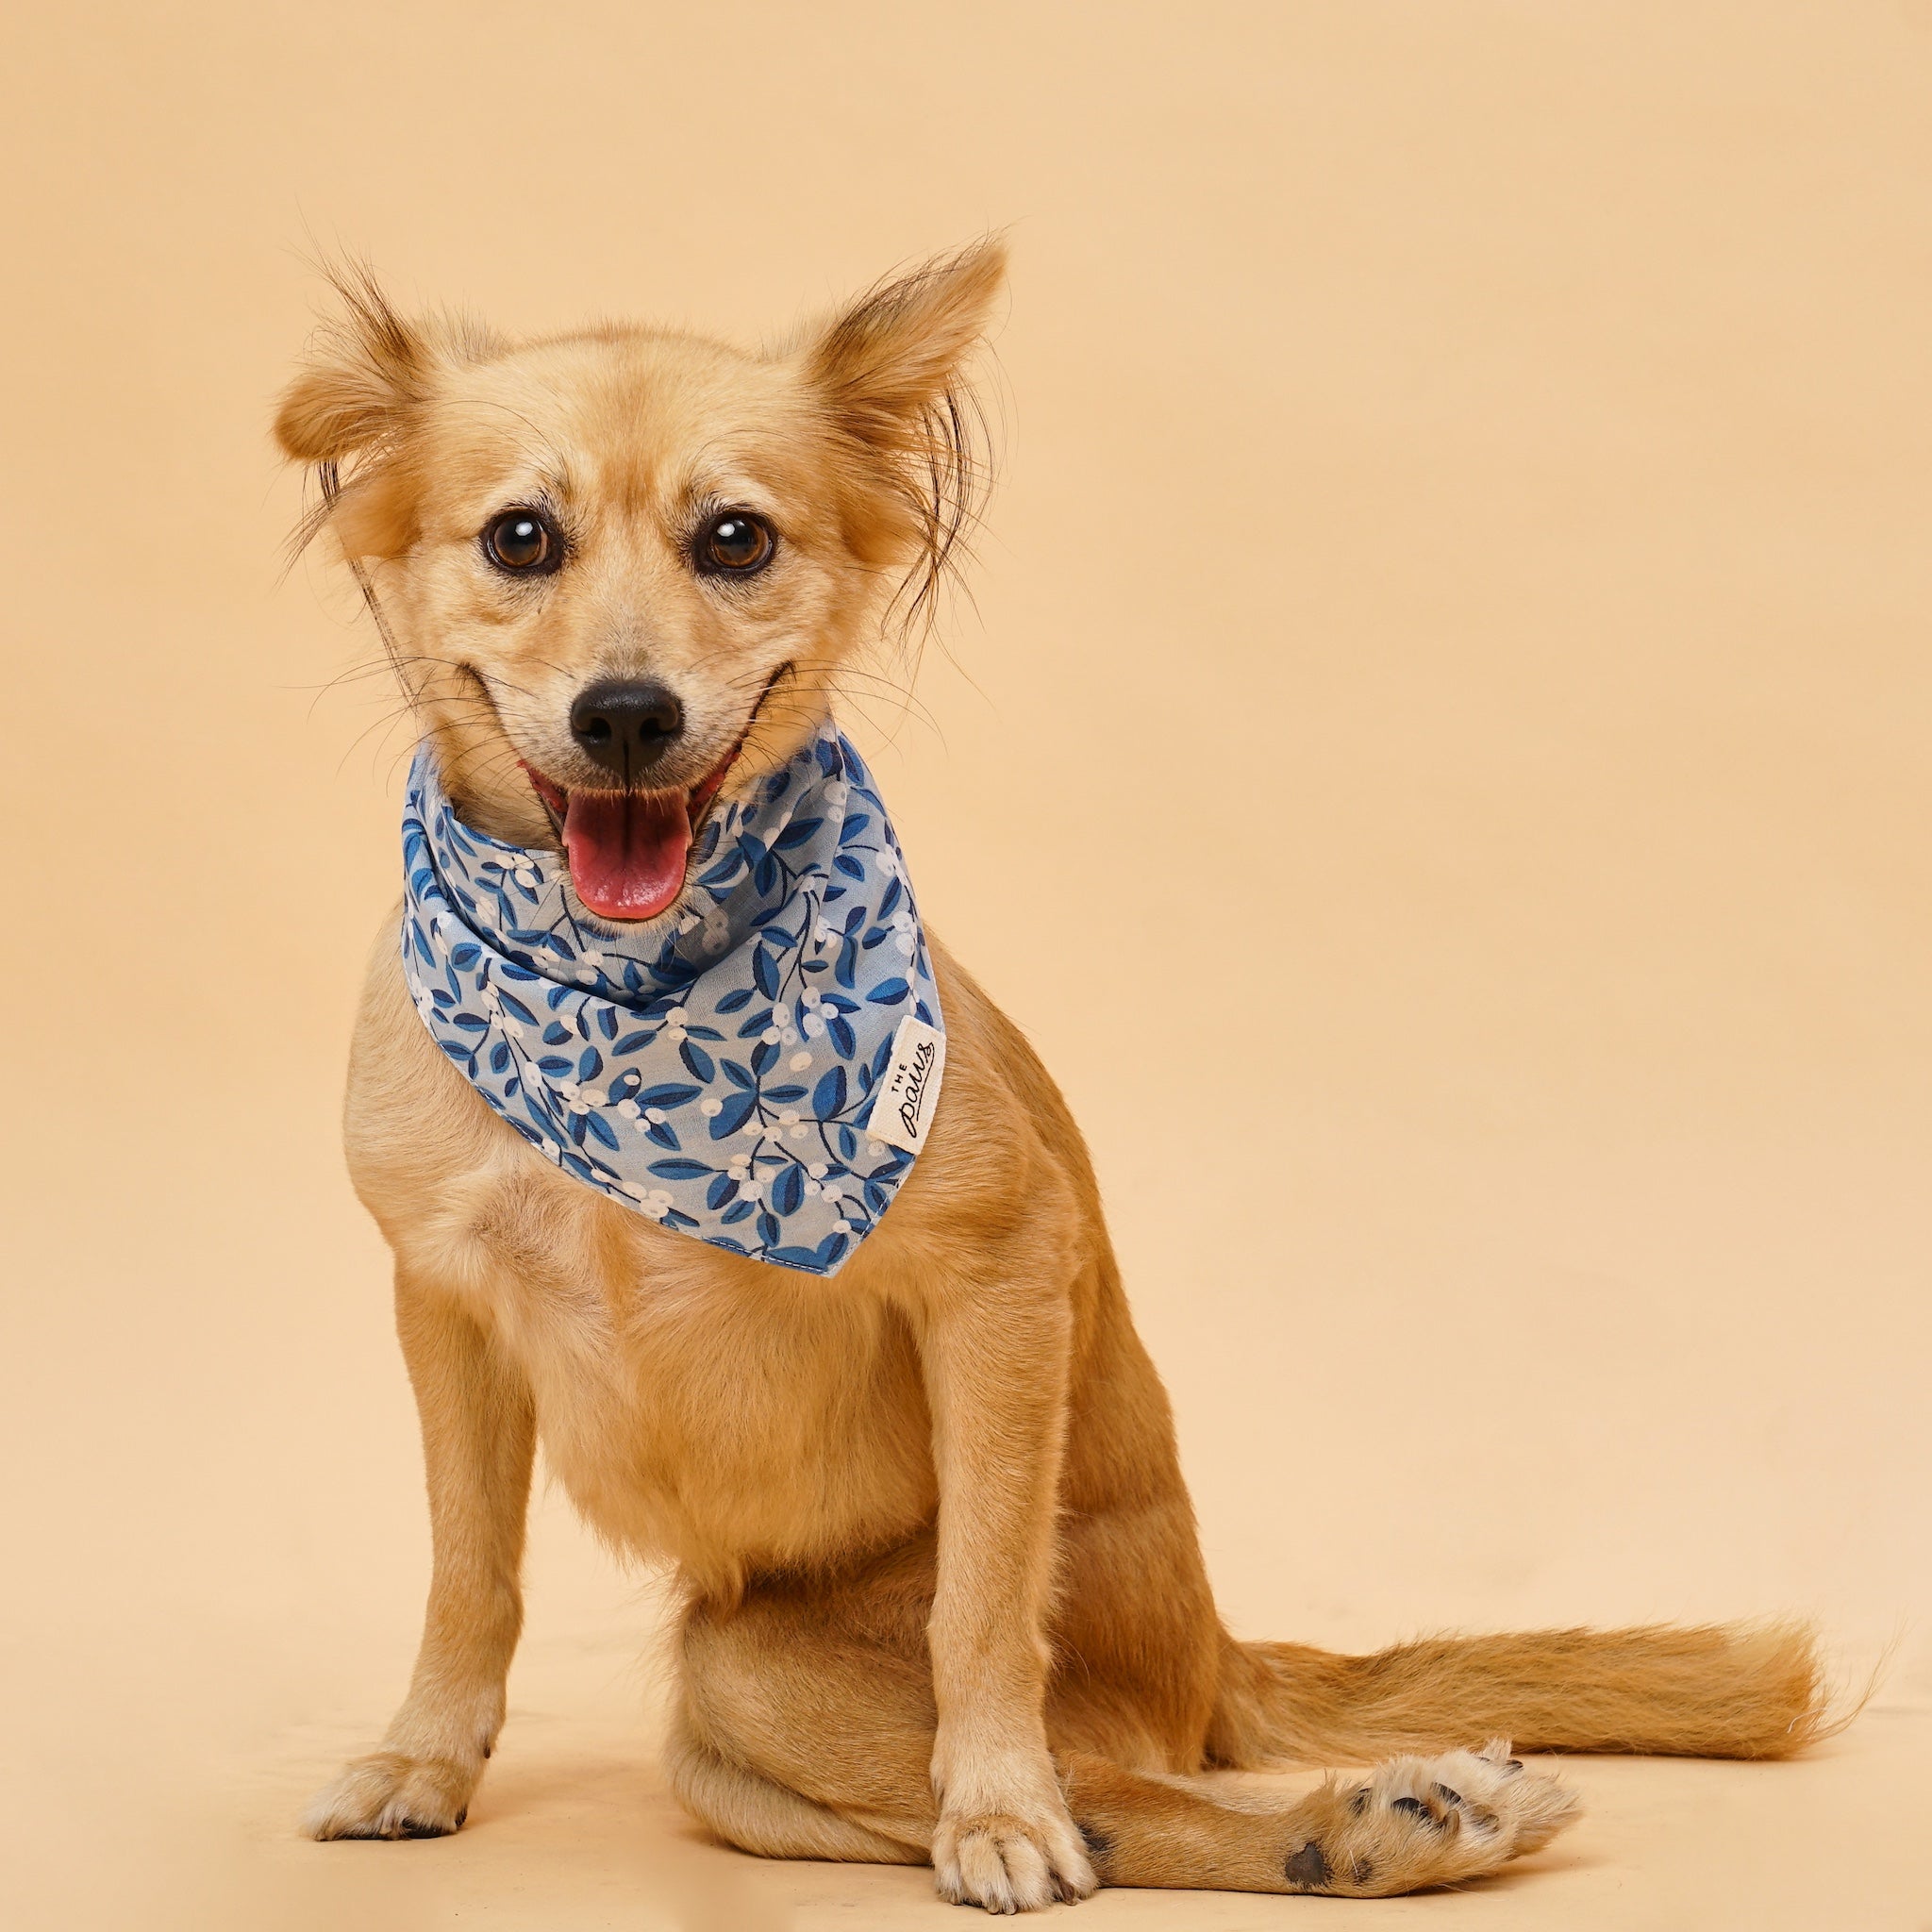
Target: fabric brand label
909	1092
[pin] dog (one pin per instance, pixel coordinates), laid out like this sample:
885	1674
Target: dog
941	1597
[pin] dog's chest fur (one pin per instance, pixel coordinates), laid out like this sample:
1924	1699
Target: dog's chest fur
727	1415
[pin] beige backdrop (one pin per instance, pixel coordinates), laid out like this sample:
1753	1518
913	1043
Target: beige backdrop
1437	765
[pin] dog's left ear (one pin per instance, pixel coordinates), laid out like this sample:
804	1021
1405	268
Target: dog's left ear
895	353
890	372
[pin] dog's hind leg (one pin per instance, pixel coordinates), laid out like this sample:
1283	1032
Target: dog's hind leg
1412	1821
807	1716
478	1436
806	1729
750	1811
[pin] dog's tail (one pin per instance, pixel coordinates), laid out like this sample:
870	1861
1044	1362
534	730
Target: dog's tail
1722	1690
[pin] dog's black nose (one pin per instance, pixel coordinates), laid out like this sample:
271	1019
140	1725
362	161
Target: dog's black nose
626	726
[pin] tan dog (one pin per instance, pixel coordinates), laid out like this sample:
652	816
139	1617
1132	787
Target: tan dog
944	1598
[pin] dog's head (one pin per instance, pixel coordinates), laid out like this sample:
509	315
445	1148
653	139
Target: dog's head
619	571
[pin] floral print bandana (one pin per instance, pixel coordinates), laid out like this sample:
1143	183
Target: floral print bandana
761	1074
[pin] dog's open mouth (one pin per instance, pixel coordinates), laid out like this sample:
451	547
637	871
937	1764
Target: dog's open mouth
629	851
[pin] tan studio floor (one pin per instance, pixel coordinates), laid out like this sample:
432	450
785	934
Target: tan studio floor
573	1830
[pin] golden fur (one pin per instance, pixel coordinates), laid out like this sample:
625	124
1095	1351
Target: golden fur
943	1598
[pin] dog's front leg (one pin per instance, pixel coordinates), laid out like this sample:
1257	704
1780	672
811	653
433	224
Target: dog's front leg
995	1360
478	1436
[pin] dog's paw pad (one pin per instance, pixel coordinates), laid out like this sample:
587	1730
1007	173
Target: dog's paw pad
1307	1870
1421	1822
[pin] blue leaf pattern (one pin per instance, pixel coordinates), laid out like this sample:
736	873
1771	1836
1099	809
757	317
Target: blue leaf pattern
616	1054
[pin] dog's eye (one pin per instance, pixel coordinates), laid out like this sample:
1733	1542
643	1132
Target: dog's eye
735	543
522	541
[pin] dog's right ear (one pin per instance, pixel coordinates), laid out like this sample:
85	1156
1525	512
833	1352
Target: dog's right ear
367	368
370	373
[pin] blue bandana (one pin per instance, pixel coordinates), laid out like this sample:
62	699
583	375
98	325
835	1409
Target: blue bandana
758	1070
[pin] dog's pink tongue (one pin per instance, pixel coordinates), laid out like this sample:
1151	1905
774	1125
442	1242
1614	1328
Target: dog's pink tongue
627	849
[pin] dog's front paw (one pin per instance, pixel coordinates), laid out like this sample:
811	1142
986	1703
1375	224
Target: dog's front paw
387	1794
1008	1863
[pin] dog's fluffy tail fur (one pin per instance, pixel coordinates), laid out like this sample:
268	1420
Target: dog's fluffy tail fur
1716	1690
